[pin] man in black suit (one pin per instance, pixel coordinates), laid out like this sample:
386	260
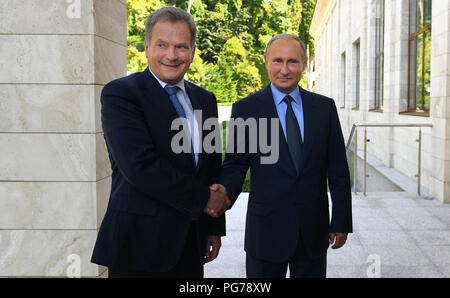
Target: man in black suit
155	224
288	215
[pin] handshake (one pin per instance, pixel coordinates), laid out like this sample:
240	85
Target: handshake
218	201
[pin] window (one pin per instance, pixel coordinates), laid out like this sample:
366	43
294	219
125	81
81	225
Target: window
419	56
357	80
379	55
343	80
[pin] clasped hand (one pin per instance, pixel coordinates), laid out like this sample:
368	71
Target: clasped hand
218	201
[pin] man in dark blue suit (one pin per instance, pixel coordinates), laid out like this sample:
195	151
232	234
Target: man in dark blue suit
155	224
288	215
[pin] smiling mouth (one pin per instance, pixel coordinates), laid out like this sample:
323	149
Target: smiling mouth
176	64
171	66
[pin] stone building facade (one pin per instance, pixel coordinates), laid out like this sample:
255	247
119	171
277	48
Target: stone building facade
388	61
55	57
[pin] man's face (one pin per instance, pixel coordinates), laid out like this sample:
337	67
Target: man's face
169	53
285	64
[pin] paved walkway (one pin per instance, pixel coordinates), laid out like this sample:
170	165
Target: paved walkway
396	234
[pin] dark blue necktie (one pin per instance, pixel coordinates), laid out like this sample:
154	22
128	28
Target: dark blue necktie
293	133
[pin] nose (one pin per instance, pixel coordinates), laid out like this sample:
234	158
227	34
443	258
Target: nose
284	69
172	54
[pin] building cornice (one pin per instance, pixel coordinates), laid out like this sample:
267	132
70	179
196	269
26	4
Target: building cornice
321	14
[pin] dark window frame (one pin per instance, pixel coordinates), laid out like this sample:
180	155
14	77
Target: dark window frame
414	107
343	79
357	52
379	56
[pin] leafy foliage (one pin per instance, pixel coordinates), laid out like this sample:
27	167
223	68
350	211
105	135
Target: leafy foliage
231	39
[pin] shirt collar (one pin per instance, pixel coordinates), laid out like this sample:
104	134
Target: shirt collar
278	95
180	84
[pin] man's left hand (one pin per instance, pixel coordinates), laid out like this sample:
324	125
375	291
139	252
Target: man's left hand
213	245
337	239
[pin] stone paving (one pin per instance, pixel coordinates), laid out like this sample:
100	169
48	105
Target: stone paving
395	234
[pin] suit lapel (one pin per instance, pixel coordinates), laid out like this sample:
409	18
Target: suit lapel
310	124
160	101
268	110
159	97
197	105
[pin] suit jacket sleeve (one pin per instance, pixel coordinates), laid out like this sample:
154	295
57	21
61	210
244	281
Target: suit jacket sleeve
236	164
217	225
133	150
338	177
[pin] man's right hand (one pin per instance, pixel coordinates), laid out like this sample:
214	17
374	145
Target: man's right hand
218	201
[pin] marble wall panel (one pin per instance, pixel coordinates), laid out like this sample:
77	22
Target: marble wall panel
49	108
46	17
109	60
47	59
103	190
97	108
48	157
110	19
53	157
41	253
48	205
103	165
55	178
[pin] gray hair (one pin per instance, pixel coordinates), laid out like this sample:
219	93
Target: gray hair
173	15
287	36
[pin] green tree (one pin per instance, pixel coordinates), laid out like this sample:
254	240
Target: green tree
136	59
306	18
231	39
212	33
137	13
219	80
245	73
198	70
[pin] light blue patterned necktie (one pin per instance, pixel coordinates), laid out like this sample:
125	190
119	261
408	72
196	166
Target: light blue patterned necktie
172	91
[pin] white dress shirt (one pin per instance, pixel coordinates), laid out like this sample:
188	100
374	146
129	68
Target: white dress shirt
185	102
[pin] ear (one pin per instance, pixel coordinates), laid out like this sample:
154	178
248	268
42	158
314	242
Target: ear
193	53
146	48
305	63
147	51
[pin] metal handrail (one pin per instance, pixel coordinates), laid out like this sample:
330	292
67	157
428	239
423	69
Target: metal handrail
356	125
354	134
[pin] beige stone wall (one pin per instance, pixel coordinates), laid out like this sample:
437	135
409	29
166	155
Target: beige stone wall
396	147
55	178
440	99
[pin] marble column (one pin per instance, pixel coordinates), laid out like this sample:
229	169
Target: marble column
55	57
440	100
